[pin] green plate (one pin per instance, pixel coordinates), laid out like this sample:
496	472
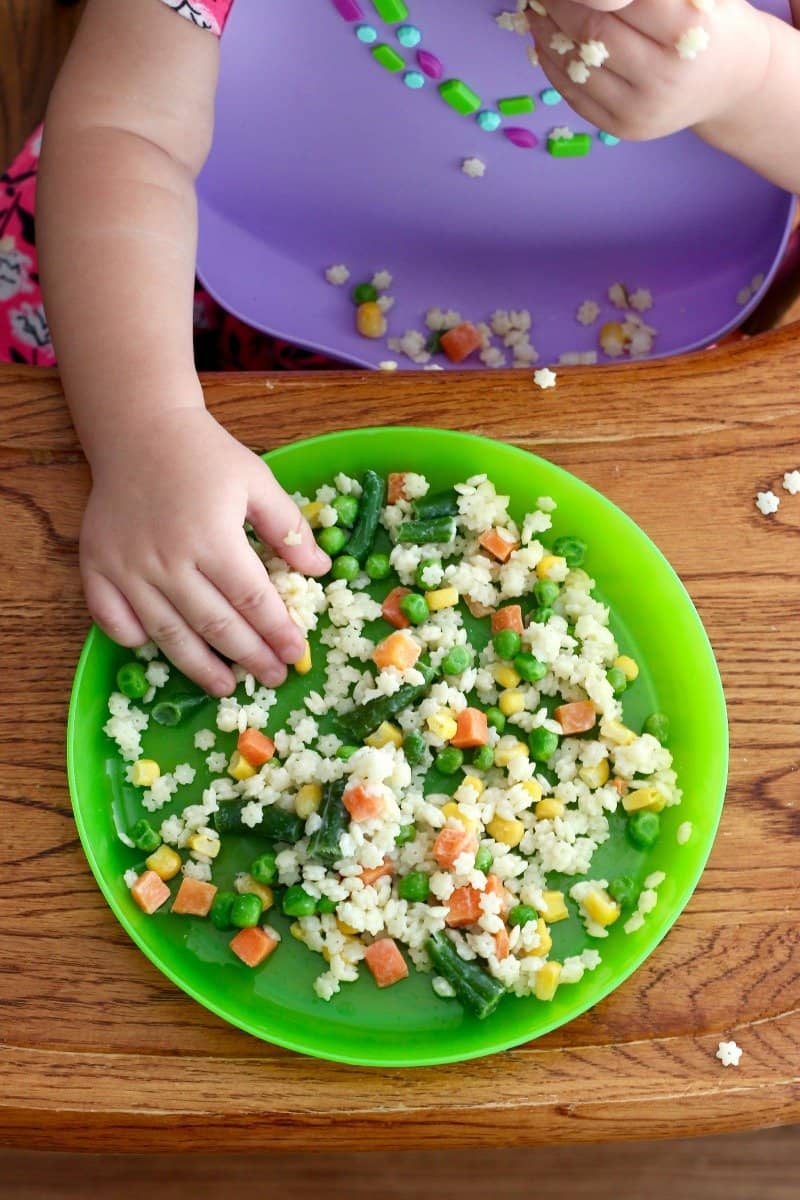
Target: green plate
407	1025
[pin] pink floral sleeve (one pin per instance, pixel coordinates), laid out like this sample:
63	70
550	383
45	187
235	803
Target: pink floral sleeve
206	14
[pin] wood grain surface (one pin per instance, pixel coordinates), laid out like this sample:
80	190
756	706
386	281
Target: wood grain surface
100	1051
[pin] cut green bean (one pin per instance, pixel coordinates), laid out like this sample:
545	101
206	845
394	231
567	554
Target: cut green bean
172	712
324	843
479	992
144	837
435	504
365	719
275	823
421	533
414	747
373	493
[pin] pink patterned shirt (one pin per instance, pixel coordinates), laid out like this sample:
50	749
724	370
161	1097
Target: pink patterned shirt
206	14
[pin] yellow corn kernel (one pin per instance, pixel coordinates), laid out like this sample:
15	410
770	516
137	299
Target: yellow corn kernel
442	598
165	861
297	931
511	701
145	772
303	664
308	800
555	907
598	905
239	767
384	735
545	940
648	798
506	749
506	676
547	978
346	929
616	732
451	809
508	832
244	882
472	781
548	564
613	333
549	808
311	512
533	789
628	666
443	724
595	777
201	843
326	954
370	321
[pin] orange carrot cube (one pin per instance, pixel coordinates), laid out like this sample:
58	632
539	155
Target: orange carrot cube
473	729
576	717
460	341
396	487
451	843
502	946
509	617
385	962
495	887
194	897
475	607
256	747
252	945
391	611
150	892
463	907
397	650
361	803
498	546
373	874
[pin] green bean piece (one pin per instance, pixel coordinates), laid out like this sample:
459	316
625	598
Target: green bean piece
345	567
407	834
543	744
326	905
346	509
643	828
220	911
324	843
571	548
507	643
332	539
546	592
657	724
415	607
414	887
496	719
478	991
264	869
144	837
414	747
623	889
275	824
345	752
378	566
373	493
437	530
522	914
429	575
483	758
449	760
434	342
298	903
542	614
484	860
435	504
618	680
529	668
171	712
246	910
457	660
365	719
132	680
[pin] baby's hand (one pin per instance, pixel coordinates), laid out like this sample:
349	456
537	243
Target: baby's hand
164	554
650	85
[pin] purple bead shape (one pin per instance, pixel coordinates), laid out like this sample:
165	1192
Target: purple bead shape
349	9
523	138
430	64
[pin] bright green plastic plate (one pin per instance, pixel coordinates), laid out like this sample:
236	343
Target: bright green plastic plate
407	1025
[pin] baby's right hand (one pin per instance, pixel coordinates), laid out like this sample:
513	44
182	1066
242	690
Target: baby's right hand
164	555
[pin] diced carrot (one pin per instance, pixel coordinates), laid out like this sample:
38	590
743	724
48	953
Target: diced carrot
397	650
372	874
361	803
256	747
473	729
390	609
252	945
150	891
451	843
576	717
385	962
498	546
495	887
509	617
460	341
194	897
475	607
502	946
396	487
463	907
621	785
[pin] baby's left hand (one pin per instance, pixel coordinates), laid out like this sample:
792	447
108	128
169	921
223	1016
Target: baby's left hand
646	89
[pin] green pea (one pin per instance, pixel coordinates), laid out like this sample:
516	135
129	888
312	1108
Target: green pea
407	834
220	911
414	886
345	567
298	903
546	592
522	914
326	905
246	910
378	566
132	681
483	758
364	293
414	747
624	891
657	724
570	548
507	643
643	828
543	743
415	607
345	752
496	719
456	660
264	869
144	837
346	508
529	668
618	680
484	860
542	614
429	574
332	539
449	760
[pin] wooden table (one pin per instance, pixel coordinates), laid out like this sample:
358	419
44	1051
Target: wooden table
100	1052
